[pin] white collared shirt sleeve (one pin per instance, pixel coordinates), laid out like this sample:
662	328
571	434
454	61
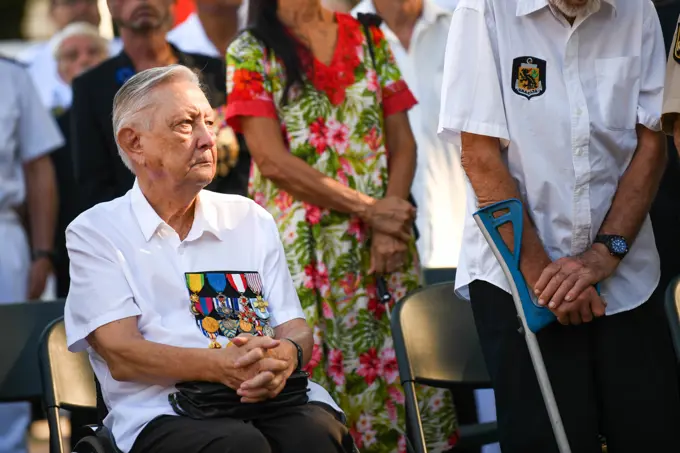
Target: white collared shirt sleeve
38	132
652	76
279	291
472	100
100	293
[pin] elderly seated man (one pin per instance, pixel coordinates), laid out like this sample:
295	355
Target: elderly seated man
183	299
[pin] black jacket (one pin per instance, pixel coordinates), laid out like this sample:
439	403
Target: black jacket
99	172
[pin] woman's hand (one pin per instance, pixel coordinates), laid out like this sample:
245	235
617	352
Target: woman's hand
388	254
392	216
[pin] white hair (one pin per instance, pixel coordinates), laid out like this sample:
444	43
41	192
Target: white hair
78	29
133	97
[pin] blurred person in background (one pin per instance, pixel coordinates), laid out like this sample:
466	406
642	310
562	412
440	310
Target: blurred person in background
210	28
323	109
416	31
143	24
42	66
27	136
77	48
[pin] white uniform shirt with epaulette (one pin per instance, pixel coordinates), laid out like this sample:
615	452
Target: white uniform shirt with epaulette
564	100
671	99
27	131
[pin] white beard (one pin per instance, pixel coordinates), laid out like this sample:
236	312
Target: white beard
575	11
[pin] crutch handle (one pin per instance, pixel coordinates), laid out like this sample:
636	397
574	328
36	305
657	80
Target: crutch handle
491	218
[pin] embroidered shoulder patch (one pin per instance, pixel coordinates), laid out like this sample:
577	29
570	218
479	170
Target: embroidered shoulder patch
227	304
676	44
528	76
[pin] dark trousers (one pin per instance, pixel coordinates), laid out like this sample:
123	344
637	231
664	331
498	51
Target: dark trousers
615	376
301	429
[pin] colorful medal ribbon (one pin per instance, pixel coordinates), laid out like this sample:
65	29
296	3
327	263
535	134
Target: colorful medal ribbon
218	281
255	284
238	282
204	305
195	283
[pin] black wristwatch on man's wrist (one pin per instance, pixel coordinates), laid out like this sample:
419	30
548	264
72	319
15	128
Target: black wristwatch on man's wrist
299	355
39	254
617	245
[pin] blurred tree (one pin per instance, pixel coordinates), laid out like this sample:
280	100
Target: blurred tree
11	18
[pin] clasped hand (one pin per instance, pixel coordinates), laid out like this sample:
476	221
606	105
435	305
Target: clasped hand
567	288
392	222
258	367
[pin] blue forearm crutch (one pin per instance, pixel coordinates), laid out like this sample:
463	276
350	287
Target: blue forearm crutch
533	316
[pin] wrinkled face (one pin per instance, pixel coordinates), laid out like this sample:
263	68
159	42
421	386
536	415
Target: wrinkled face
142	15
178	148
65	12
77	54
573	8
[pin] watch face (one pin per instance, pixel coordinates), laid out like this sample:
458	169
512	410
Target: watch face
619	246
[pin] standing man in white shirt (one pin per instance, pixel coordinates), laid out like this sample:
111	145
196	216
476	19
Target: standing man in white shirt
27	135
558	103
416	31
209	29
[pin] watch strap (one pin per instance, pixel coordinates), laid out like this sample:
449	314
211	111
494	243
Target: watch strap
38	254
299	354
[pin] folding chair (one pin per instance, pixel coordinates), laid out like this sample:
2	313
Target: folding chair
672	303
436	344
69	383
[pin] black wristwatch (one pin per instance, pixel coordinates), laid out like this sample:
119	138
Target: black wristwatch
299	355
617	245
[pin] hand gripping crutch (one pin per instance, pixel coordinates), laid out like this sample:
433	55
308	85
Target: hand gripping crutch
533	316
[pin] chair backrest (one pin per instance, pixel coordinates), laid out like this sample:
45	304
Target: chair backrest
435	339
20	327
67	377
672	303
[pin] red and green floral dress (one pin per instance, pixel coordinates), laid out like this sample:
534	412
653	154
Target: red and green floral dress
334	122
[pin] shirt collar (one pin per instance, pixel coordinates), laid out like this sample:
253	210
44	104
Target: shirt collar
205	216
526	7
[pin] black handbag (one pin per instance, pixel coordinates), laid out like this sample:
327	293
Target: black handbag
205	400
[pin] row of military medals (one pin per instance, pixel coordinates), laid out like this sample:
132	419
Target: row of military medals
238	315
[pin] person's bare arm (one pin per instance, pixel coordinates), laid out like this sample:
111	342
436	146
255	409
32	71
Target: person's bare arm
295	176
391	215
492	183
401	148
42	200
132	358
565	279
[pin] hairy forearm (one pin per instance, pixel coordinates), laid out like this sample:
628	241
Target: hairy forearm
492	183
42	200
152	363
638	186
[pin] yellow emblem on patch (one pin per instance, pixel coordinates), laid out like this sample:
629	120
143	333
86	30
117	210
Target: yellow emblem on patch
528	76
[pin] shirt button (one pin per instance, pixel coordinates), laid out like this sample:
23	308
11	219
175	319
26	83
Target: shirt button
579	150
181	249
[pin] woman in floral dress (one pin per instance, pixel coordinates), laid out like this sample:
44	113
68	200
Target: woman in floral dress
319	115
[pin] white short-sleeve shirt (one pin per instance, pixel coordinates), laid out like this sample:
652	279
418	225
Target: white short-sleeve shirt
126	261
27	131
564	101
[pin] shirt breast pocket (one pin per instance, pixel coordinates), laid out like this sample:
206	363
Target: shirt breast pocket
618	88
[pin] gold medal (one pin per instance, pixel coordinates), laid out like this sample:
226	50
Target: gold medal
210	325
245	326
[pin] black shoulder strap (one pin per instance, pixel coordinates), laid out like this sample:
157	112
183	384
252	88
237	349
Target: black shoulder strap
368	20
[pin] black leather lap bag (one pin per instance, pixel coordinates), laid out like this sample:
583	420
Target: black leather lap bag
204	400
